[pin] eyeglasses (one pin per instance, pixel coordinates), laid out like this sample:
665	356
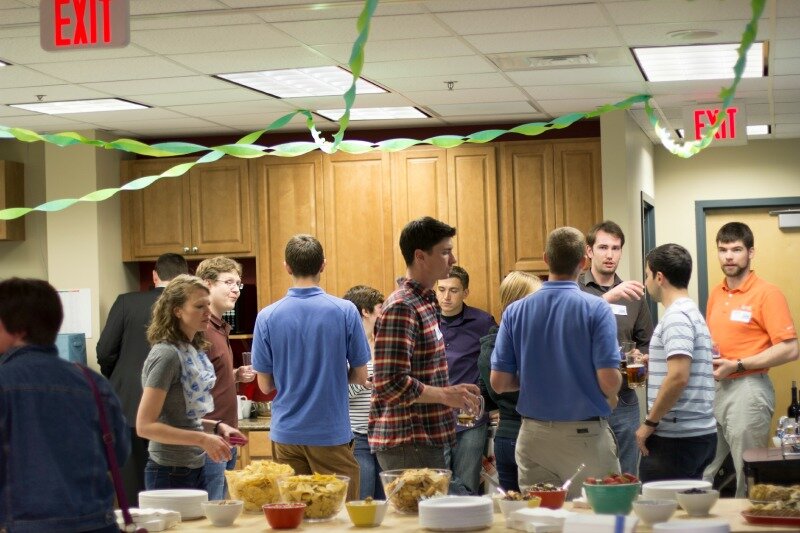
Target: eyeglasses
231	283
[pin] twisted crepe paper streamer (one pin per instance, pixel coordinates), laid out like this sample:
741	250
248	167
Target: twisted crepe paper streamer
689	148
244	148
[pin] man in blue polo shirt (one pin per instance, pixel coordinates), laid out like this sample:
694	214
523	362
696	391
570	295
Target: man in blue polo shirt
558	347
309	345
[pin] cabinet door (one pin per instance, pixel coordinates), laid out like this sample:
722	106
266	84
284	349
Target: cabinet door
220	206
472	195
527	210
578	183
358	222
155	220
419	188
289	196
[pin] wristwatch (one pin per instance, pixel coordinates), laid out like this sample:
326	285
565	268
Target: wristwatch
650	423
739	366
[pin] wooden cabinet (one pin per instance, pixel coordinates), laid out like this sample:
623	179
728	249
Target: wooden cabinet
12	194
544	185
203	213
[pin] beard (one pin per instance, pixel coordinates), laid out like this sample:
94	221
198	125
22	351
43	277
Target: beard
735	271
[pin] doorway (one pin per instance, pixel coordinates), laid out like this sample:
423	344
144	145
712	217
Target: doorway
648	243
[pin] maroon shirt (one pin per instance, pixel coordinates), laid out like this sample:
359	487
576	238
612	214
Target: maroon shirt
221	356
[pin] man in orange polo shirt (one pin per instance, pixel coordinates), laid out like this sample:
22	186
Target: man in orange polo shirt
750	321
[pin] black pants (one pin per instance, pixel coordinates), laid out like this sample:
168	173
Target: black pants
683	458
133	469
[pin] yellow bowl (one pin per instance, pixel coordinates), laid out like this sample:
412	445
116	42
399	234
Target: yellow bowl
366	514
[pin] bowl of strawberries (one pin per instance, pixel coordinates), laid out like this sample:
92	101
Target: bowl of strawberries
612	494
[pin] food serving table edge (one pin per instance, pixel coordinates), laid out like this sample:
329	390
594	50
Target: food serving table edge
726	509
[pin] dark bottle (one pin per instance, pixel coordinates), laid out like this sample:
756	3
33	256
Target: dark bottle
793	412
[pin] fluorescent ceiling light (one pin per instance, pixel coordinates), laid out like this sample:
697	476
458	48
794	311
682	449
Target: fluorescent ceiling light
697	62
374	113
80	106
752	131
299	82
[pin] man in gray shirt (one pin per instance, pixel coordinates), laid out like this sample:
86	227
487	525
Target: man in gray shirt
604	244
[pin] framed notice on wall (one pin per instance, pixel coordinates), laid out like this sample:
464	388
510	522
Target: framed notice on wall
77	304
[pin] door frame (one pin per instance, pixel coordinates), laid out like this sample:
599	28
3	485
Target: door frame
700	209
648	220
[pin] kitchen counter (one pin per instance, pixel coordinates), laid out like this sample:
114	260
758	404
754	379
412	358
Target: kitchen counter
725	510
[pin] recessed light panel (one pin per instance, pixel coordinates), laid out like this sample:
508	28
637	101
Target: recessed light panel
302	82
374	113
80	106
697	62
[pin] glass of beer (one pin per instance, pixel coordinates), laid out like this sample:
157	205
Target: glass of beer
636	370
468	417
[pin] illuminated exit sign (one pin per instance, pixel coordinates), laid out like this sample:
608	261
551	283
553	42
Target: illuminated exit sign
732	132
77	24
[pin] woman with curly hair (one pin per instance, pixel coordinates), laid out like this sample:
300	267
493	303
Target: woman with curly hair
177	379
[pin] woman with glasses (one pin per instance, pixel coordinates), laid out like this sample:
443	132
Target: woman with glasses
177	379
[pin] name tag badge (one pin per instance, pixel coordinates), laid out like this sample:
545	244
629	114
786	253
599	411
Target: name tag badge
740	315
438	333
618	309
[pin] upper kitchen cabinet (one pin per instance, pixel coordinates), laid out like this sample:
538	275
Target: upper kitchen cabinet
544	185
203	213
12	194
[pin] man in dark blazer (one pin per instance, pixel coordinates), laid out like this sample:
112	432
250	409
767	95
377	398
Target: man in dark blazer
121	351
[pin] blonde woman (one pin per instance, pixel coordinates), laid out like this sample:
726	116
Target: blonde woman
177	379
515	286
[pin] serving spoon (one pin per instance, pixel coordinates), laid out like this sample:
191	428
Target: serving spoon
568	482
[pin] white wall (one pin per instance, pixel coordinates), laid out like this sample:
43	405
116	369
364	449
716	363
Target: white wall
760	169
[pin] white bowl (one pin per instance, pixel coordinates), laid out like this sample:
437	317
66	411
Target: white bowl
509	506
223	512
665	490
654	511
698	504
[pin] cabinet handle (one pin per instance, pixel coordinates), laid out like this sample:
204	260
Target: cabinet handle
194	249
186	249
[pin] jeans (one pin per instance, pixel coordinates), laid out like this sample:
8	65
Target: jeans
682	458
214	473
506	463
465	460
624	422
368	463
411	456
173	477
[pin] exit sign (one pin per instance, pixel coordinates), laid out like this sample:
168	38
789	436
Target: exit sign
733	130
77	24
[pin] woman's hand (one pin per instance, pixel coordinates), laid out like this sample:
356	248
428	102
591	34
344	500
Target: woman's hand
232	436
216	447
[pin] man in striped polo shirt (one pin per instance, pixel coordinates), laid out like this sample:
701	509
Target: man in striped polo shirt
679	435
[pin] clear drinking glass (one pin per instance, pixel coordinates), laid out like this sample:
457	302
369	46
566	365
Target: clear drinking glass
468	417
247	358
636	370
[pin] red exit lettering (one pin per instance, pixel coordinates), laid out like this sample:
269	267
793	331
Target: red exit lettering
80	36
706	117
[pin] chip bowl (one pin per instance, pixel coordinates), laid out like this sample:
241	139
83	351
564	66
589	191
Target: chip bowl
418	484
323	494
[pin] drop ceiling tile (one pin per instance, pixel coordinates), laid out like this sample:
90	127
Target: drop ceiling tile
428	67
6	111
657	34
787	118
786	82
443	6
17	76
465	96
12	4
22	15
178	7
787	131
788	28
196	97
381	29
252	60
562	107
329	10
575	76
51	93
616	91
28	50
255	122
27	30
189	20
179	84
787	95
112	69
112	118
788	9
233	108
544	40
355	127
639	11
787	108
167	123
785	67
396	50
784	48
214	39
337	102
432	83
523	20
492	108
481	122
46	123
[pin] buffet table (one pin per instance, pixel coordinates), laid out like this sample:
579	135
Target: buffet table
725	510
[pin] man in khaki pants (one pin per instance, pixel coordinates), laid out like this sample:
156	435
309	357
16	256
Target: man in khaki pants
558	347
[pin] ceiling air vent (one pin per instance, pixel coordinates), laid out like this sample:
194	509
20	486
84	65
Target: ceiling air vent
555	59
572	60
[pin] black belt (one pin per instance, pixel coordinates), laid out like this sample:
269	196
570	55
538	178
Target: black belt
590	419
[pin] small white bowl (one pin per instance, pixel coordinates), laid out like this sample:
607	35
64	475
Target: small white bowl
698	504
223	513
509	506
654	511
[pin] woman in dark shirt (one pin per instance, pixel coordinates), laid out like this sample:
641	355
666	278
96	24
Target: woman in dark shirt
515	286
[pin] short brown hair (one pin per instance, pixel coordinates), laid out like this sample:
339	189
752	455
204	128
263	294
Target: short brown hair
364	297
304	255
210	269
170	265
606	226
736	231
517	285
30	307
566	248
164	326
460	274
423	234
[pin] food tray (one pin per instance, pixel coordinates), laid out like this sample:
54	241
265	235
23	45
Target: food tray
771	520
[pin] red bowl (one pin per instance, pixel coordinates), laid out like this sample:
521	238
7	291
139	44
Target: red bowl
552	499
284	515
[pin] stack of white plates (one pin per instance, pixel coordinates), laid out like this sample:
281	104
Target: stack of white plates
666	490
455	513
185	501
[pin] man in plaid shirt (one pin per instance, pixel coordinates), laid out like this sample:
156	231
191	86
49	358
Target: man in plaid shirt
411	418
